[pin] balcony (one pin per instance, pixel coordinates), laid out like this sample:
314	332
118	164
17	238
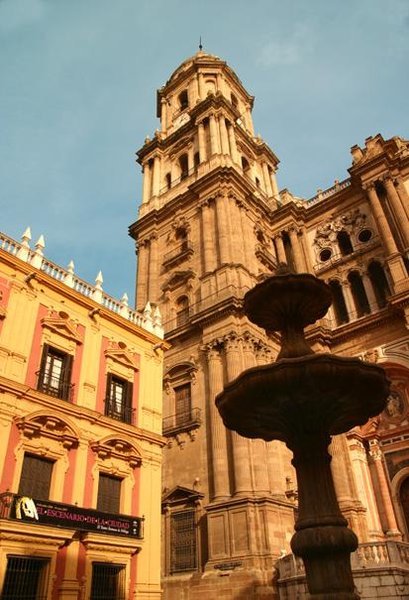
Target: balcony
55	514
119	411
177	255
54	386
183	421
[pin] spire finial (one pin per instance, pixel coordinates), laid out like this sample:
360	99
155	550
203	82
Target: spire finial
200	44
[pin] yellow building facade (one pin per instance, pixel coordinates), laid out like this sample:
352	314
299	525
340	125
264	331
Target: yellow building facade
211	224
81	443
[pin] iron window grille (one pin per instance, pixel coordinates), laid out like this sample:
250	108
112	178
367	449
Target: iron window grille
25	579
118	401
183	542
108	582
54	376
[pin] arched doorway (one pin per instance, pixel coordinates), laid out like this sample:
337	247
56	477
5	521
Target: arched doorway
404	500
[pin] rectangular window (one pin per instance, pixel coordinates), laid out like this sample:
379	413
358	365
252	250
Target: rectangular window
25	579
35	480
183	542
54	377
109	493
118	401
183	404
108	582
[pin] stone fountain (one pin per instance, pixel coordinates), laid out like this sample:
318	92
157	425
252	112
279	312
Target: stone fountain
302	399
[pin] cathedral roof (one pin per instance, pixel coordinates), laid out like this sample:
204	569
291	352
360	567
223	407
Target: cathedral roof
200	56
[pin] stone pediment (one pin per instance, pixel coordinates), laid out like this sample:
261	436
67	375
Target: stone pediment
180	494
374	146
117	447
178	278
48	426
62	326
123	357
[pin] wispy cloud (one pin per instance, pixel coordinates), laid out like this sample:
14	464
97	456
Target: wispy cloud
288	50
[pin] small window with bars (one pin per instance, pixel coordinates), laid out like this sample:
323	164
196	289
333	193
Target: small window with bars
54	377
108	581
25	578
183	541
109	493
35	479
118	401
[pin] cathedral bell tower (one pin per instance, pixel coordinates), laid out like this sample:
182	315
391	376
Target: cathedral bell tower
209	187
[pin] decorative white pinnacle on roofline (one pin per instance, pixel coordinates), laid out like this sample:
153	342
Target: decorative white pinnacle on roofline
150	319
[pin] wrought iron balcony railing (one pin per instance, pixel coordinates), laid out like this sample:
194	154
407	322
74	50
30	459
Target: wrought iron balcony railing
119	411
54	386
182	421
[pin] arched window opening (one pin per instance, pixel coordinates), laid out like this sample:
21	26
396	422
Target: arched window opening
182	311
196	159
184	167
181	238
168	180
183	100
344	243
404	500
245	165
339	306
379	283
288	251
359	294
257	182
234	101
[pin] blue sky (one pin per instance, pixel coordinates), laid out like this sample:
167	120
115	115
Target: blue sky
78	96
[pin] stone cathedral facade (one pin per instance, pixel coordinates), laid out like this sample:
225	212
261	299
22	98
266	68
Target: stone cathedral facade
212	222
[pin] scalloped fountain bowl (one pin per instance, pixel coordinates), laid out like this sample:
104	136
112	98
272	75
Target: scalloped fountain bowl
302	399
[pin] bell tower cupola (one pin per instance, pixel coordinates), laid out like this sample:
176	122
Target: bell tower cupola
205	119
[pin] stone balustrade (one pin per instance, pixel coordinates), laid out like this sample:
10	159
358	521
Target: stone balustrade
149	319
380	570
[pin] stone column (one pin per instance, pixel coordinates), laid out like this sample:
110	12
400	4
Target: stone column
398	209
156	176
201	86
380	218
403	195
365	490
241	458
153	269
274	186
190	159
221	487
147	178
297	251
384	498
202	142
222	229
280	248
164	114
233	145
349	301
373	305
258	448
247	237
142	249
223	135
235	235
214	142
209	247
267	180
345	487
